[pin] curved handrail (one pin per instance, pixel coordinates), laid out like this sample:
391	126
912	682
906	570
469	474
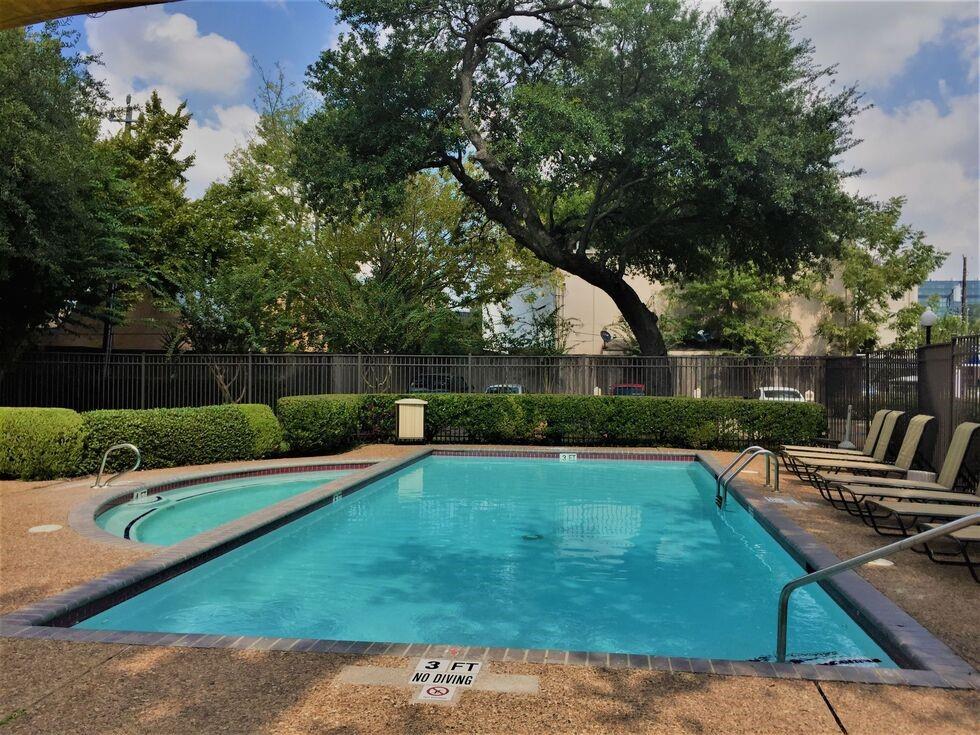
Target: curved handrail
721	475
856	561
110	450
721	487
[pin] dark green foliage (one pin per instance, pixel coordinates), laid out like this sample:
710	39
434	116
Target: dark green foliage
609	139
314	424
62	240
171	437
267	437
320	423
40	443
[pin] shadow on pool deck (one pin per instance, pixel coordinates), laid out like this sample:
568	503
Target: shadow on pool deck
55	687
86	688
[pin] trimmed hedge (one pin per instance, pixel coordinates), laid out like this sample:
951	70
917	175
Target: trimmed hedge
40	443
171	437
315	424
267	437
321	423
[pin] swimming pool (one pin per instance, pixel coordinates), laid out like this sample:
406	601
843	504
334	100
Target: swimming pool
168	517
593	555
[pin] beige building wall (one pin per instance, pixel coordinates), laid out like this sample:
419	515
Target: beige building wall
591	310
142	329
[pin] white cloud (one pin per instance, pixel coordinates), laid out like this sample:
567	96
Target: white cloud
149	46
930	157
873	41
969	39
212	140
148	49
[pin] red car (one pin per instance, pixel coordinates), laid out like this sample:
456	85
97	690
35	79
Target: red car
628	389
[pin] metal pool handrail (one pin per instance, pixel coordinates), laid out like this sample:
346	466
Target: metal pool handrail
110	450
731	471
790	587
731	464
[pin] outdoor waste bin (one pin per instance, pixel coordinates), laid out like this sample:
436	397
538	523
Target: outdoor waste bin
410	419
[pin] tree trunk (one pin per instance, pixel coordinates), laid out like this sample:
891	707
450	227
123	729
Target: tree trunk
640	318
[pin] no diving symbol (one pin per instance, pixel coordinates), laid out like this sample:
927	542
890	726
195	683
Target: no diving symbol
436	693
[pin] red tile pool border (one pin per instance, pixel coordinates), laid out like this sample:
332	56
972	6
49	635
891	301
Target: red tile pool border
934	664
586	454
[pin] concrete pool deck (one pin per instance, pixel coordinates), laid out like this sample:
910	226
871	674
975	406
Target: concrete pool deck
60	686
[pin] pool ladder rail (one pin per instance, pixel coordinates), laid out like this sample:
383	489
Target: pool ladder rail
735	468
782	620
114	448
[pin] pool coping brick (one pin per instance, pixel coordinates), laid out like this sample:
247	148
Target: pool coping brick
928	661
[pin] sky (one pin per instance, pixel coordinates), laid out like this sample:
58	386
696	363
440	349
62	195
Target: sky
915	62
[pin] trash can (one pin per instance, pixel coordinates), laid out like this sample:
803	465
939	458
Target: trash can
410	420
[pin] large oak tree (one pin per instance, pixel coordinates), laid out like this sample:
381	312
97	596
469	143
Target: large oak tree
609	138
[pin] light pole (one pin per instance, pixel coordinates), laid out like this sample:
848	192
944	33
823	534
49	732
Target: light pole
927	319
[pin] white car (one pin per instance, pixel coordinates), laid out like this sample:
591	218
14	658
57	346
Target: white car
777	393
505	388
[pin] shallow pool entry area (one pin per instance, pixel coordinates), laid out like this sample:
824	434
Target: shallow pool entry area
594	555
175	515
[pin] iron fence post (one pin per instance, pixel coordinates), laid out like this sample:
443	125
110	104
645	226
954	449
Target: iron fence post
248	385
142	380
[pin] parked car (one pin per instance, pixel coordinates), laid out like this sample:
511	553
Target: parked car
505	388
778	393
628	389
902	387
438	383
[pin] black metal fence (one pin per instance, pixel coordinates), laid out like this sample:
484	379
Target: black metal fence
86	381
942	380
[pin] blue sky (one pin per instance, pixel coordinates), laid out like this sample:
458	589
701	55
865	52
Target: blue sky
916	62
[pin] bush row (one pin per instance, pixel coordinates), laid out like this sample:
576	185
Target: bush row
314	424
40	443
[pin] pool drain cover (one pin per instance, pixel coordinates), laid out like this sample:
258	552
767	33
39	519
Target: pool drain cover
532	537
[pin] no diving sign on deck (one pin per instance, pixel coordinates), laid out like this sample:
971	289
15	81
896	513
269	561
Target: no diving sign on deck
440	678
446	671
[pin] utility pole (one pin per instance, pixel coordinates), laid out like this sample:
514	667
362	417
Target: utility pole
110	300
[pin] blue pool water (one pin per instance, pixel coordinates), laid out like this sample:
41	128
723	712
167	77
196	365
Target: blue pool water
185	512
591	555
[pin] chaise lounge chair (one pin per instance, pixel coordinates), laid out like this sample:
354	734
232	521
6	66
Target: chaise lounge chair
955	549
848	491
798	462
908	453
899	517
874	430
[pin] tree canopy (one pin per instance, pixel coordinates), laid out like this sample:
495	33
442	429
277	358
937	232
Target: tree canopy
267	273
63	205
733	308
607	139
880	265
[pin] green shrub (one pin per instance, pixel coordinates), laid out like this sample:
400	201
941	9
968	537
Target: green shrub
171	437
321	423
40	443
314	424
267	437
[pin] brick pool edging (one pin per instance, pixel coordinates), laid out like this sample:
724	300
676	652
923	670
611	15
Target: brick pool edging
82	516
915	645
901	635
